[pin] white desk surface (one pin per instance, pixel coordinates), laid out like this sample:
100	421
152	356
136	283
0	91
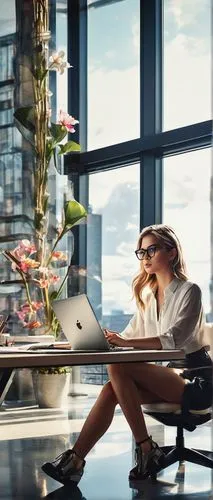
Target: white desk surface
67	358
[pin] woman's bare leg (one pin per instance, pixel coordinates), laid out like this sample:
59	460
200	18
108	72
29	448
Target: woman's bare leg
129	380
130	385
100	418
97	422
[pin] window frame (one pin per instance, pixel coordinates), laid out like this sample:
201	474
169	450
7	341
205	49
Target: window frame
152	145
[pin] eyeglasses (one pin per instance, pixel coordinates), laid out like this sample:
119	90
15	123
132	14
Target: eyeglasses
150	252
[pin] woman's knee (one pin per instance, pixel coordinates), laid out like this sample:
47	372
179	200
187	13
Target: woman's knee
116	370
108	394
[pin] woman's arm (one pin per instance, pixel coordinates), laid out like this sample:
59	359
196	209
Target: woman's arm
137	343
187	322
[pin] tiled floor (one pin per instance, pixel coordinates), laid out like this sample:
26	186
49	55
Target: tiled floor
30	436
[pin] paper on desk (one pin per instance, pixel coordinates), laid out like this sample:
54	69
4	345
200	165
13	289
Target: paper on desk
11	350
34	347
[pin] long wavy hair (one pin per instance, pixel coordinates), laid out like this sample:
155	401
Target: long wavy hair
167	238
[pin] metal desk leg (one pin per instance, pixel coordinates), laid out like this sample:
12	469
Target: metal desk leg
6	378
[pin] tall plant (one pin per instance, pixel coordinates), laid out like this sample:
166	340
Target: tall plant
35	260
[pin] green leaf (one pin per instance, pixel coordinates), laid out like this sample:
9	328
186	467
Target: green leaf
68	147
53	295
25	123
49	150
55	159
73	213
39	73
58	132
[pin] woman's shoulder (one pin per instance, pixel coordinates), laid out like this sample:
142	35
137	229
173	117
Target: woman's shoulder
186	285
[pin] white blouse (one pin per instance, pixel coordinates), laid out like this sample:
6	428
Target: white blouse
180	324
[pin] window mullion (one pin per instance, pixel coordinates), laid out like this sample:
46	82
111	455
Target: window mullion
151	108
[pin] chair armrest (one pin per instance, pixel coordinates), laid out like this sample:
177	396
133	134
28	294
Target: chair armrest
179	363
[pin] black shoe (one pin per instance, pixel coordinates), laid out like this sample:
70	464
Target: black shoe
147	464
64	469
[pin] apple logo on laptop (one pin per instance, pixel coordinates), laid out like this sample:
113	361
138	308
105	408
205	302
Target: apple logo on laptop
78	324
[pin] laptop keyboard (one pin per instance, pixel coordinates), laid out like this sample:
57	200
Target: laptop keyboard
117	348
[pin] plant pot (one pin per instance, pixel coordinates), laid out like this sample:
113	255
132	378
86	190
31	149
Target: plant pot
51	390
21	389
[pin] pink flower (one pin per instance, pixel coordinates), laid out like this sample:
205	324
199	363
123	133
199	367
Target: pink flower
33	324
42	282
24	247
37	305
46	278
25	310
25	264
53	278
58	255
21	315
67	121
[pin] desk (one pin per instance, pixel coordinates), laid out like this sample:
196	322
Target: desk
9	362
75	358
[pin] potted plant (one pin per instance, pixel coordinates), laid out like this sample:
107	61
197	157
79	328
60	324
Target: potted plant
37	260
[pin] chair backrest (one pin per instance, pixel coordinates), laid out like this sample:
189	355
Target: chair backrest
208	337
172	412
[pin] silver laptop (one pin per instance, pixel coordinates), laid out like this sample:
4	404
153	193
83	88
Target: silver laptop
80	325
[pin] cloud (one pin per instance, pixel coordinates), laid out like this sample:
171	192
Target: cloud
186	12
122	292
125	249
131	226
113	106
110	229
113	111
102	184
136	37
187	82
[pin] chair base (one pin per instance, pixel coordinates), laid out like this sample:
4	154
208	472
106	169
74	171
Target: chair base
181	454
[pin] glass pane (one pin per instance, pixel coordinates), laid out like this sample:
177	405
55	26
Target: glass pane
113	72
187	208
16	186
7	19
187	62
61	44
112	229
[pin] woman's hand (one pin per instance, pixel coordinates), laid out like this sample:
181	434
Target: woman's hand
114	338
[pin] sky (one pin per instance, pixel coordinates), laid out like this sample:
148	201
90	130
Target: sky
186	208
113	78
113	116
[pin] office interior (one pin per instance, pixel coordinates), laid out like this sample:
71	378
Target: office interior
140	86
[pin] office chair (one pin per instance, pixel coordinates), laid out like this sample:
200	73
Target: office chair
171	414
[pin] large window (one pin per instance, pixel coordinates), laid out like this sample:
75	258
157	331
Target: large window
114	207
113	72
187	62
187	208
112	233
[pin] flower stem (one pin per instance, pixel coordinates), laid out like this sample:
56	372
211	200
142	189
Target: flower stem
53	248
27	290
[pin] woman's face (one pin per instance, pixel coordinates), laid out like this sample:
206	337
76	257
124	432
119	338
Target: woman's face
162	258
